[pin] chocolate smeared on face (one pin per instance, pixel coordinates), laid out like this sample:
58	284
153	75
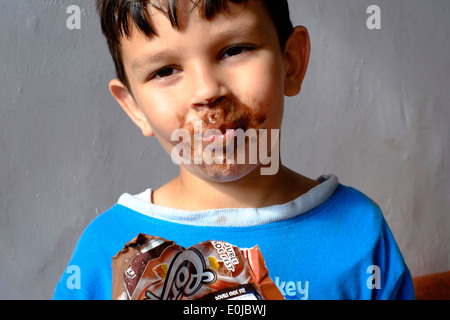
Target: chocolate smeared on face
220	138
226	113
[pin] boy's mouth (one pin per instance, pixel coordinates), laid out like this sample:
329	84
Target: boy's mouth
222	136
225	115
218	128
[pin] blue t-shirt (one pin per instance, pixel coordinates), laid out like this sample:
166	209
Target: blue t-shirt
330	243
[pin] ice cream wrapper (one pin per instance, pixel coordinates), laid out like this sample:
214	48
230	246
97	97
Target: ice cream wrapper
153	268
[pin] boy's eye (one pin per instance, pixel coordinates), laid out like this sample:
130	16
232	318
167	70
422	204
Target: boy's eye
163	73
234	51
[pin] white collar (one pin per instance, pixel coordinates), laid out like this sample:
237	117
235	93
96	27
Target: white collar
241	217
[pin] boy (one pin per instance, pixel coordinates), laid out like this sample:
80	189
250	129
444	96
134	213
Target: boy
208	80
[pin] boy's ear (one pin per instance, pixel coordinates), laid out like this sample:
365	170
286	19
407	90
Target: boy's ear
123	96
296	56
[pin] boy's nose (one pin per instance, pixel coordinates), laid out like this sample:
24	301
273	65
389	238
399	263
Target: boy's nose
207	86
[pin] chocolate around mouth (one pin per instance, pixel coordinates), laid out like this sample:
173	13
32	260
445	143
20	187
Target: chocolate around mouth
223	116
226	114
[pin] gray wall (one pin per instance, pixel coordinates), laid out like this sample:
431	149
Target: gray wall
374	111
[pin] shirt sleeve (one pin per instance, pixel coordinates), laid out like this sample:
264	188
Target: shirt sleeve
396	281
404	288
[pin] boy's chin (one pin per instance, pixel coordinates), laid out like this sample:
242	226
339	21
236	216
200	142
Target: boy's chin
221	172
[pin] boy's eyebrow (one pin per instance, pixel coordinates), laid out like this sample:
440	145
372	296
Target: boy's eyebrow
241	31
147	59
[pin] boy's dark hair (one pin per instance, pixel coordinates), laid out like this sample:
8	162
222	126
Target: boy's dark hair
117	16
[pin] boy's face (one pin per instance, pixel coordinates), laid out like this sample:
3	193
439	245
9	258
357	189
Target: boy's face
224	74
